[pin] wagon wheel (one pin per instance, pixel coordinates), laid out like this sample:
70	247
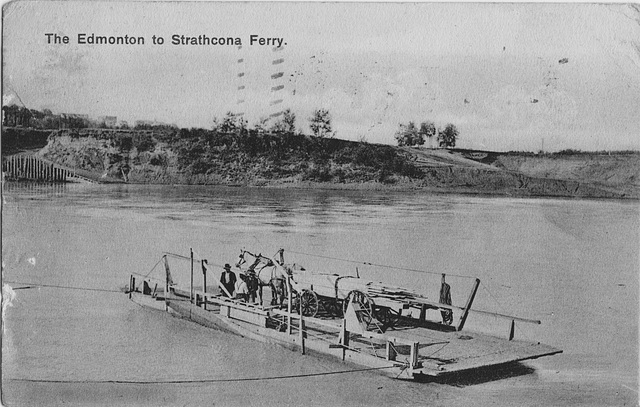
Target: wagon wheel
308	303
364	301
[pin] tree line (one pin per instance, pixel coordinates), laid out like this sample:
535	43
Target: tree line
320	124
412	135
284	123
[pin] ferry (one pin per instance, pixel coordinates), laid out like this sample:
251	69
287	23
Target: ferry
365	323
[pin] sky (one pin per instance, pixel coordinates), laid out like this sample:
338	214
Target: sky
510	76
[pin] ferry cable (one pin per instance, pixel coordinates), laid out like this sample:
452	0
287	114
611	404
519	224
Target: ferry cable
378	265
154	267
240	379
34	285
502	309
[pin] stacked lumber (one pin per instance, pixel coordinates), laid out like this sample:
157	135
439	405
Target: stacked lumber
390	292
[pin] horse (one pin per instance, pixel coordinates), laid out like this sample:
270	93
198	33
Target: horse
268	273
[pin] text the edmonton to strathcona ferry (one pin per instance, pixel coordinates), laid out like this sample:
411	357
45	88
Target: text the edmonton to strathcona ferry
176	39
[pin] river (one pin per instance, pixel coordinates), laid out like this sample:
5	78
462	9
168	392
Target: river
573	264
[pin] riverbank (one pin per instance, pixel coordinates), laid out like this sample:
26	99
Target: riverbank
204	157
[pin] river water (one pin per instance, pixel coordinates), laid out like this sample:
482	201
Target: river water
573	264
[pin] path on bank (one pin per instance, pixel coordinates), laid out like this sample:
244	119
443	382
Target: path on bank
596	175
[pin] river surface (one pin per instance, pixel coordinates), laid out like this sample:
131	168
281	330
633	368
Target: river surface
573	264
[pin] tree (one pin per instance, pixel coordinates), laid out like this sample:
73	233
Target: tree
228	124
289	121
447	137
428	129
408	135
261	126
320	123
287	124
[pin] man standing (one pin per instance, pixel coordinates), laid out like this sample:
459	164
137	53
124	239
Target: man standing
228	281
242	290
445	298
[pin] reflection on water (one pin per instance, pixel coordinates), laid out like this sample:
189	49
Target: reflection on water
571	263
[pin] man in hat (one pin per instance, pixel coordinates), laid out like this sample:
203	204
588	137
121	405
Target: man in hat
228	280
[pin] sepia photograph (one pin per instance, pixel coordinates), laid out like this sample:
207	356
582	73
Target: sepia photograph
320	203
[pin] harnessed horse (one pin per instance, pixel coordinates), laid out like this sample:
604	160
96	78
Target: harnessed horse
269	273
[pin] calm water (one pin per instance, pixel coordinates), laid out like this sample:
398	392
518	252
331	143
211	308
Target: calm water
571	263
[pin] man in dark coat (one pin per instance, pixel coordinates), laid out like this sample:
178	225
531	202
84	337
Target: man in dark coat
445	298
228	281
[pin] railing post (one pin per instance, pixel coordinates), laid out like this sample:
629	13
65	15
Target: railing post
289	305
166	284
414	355
204	285
391	352
191	284
302	333
344	336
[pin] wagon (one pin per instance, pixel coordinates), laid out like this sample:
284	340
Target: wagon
332	293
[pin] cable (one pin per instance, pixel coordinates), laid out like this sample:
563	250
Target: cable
378	265
33	285
154	267
241	379
502	310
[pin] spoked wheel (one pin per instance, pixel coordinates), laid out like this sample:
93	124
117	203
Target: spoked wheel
308	303
364	301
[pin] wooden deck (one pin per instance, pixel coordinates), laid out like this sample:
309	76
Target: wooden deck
412	348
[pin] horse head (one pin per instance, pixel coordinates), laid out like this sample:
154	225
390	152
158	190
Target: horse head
241	259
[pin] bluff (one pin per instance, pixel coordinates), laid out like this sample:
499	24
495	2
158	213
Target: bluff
197	156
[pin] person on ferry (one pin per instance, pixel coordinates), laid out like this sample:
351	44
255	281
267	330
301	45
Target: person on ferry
252	284
228	281
242	290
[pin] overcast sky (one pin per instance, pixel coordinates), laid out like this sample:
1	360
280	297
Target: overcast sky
507	75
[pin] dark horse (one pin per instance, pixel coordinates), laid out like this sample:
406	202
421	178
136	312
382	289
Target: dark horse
269	273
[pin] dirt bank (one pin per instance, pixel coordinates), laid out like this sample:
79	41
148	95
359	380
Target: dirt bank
199	156
615	172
